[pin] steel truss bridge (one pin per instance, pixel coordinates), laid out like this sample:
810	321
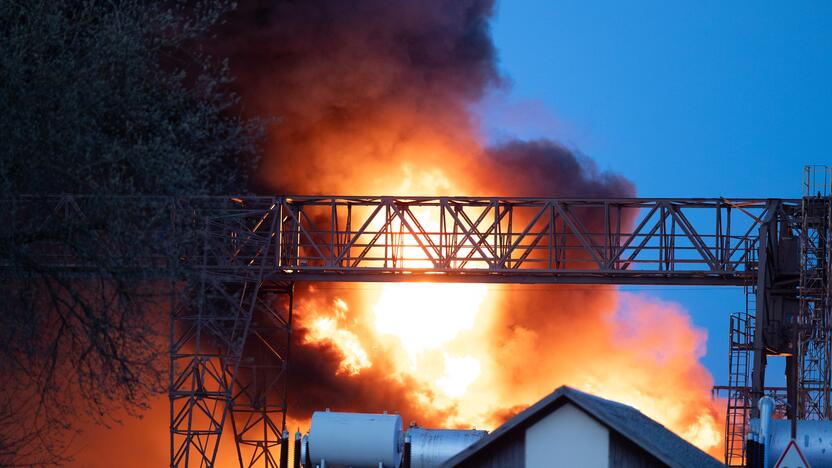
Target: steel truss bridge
230	330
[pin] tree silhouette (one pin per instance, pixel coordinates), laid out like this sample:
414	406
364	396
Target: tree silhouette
104	98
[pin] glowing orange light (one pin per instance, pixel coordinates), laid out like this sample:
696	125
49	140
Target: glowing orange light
441	336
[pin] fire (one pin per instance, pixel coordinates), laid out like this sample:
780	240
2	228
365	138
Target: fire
425	316
460	373
475	354
355	357
325	328
379	102
476	366
376	99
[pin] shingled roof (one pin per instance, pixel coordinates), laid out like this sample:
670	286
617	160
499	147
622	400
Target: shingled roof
625	420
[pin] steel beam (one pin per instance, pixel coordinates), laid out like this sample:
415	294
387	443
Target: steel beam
258	400
233	254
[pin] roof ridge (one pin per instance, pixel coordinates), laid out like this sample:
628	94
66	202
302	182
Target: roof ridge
621	418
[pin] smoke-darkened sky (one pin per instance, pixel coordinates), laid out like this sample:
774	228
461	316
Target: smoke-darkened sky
707	100
379	97
710	100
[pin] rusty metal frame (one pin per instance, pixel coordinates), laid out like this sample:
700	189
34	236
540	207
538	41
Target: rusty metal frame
521	240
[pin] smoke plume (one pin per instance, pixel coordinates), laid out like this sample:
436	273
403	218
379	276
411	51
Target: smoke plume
374	97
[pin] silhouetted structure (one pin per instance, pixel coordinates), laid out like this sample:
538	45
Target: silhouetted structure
242	257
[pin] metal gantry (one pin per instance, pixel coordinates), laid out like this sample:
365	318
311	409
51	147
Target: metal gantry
236	260
229	344
632	241
522	240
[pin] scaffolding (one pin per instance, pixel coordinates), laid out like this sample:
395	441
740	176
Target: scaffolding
739	403
230	340
815	339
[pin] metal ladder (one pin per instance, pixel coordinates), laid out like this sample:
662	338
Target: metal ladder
739	395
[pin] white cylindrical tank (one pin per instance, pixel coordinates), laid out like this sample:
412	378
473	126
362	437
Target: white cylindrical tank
814	439
355	439
429	448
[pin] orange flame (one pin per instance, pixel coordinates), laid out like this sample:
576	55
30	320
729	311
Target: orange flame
481	353
451	339
375	99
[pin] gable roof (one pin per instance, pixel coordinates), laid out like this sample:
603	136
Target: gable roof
625	420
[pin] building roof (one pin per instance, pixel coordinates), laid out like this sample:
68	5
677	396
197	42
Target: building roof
625	420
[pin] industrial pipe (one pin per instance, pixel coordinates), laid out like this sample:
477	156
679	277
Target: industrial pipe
766	405
406	451
304	452
296	458
284	450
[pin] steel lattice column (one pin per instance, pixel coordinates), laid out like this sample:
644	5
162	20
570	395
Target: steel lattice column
208	333
258	408
813	399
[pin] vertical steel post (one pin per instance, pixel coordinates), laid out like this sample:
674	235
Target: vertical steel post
297	451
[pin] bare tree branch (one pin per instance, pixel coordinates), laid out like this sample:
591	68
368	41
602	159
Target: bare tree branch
100	97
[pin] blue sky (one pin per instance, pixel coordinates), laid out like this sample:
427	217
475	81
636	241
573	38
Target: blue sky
686	99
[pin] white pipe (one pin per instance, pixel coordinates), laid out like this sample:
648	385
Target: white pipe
766	405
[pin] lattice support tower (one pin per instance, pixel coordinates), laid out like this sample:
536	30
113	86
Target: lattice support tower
815	339
258	401
217	369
